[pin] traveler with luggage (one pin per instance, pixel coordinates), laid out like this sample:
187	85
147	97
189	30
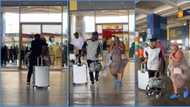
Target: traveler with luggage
36	47
153	57
93	50
117	65
77	42
179	71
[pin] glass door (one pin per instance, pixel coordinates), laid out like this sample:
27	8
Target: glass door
51	32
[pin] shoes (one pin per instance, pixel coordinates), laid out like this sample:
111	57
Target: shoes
185	93
92	83
174	96
97	83
28	83
120	83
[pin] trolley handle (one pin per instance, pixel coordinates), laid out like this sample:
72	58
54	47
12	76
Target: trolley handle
40	61
143	68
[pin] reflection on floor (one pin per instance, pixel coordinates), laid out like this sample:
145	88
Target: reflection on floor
164	100
105	93
13	91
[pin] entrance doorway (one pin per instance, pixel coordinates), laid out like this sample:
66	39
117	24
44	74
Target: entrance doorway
51	32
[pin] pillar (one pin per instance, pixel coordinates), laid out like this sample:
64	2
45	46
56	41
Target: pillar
1	29
157	27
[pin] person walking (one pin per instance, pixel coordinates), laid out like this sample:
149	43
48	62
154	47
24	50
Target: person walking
78	42
93	50
179	69
153	57
117	65
36	47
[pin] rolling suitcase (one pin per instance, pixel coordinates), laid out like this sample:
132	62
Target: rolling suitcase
143	78
79	74
41	75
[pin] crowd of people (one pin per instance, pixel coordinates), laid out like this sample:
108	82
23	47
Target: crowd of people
8	55
92	48
113	50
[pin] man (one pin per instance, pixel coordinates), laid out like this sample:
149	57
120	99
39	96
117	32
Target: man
77	42
153	56
93	51
36	47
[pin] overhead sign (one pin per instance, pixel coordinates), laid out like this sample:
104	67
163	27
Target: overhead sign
73	5
187	12
183	13
180	13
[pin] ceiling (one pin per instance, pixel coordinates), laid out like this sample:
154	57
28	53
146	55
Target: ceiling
165	8
149	5
82	4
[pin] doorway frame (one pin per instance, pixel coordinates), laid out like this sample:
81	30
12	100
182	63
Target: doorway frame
41	31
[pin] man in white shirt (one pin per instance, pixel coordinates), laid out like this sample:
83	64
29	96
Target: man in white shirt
153	57
77	42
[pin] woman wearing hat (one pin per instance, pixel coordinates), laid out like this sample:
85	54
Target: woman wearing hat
178	68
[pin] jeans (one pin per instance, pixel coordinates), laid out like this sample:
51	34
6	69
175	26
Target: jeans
91	71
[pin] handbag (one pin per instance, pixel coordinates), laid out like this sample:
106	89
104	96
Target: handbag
95	66
177	70
98	66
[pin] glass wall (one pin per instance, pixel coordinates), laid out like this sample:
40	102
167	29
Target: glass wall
120	23
10	40
20	23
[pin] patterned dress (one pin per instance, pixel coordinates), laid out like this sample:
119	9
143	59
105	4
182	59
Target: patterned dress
116	56
179	70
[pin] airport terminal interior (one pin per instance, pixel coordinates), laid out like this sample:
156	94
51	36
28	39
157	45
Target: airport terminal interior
133	22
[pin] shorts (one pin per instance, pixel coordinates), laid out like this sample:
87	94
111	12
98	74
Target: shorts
152	73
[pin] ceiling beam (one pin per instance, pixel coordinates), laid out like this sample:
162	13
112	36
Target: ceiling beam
169	2
143	11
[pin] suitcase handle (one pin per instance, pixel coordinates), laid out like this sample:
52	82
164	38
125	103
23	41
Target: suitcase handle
40	63
143	69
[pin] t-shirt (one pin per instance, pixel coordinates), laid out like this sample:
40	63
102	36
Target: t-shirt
153	55
92	48
77	42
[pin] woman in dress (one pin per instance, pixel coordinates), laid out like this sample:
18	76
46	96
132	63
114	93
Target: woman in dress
117	66
178	68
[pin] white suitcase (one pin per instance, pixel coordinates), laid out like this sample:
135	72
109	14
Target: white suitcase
142	79
80	74
41	76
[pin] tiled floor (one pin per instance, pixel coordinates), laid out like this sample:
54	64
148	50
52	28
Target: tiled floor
13	91
105	93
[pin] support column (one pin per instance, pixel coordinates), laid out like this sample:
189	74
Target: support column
157	27
1	29
79	24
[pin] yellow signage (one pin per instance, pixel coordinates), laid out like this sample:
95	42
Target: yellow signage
180	13
73	5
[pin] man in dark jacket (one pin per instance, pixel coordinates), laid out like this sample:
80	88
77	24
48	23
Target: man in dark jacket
36	47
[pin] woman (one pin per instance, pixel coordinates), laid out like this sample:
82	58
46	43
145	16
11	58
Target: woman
117	65
162	66
45	53
179	70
